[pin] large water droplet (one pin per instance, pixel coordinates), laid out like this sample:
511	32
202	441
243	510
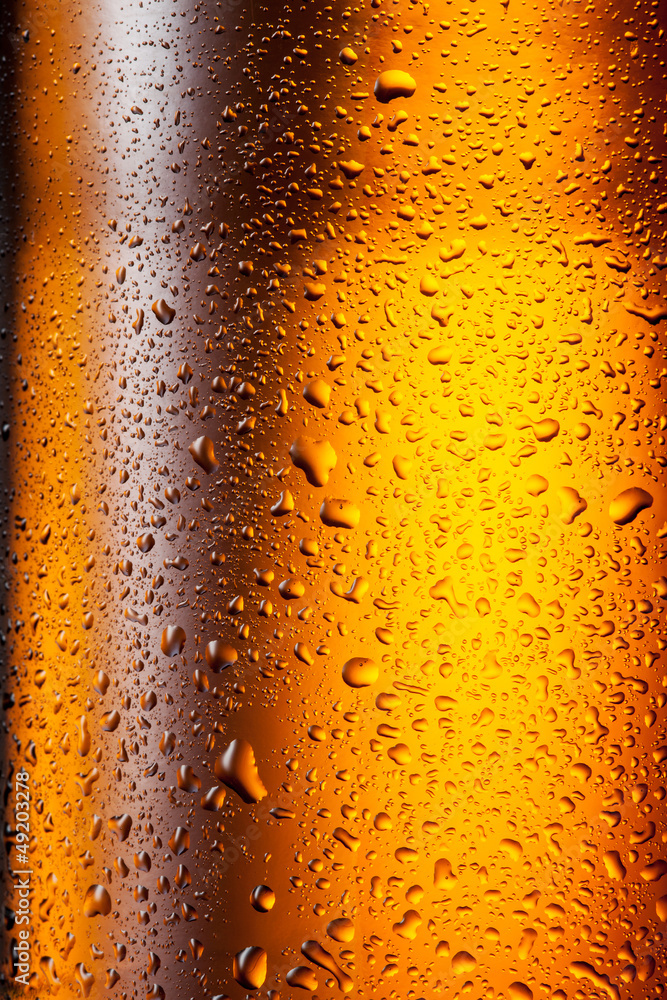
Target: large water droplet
624	508
163	311
173	640
97	902
393	83
237	769
360	671
203	452
250	967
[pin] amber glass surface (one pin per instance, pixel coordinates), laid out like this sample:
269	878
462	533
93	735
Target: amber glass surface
333	476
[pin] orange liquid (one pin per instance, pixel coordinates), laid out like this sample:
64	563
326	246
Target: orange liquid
335	449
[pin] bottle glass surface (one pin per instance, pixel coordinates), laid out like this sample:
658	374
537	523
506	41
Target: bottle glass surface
334	524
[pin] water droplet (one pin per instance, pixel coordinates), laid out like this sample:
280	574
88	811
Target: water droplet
360	671
173	640
339	513
348	56
145	542
249	967
179	842
237	769
203	452
97	902
317	393
316	458
627	505
163	311
262	898
187	780
302	977
393	83
219	655
519	991
462	963
341	929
